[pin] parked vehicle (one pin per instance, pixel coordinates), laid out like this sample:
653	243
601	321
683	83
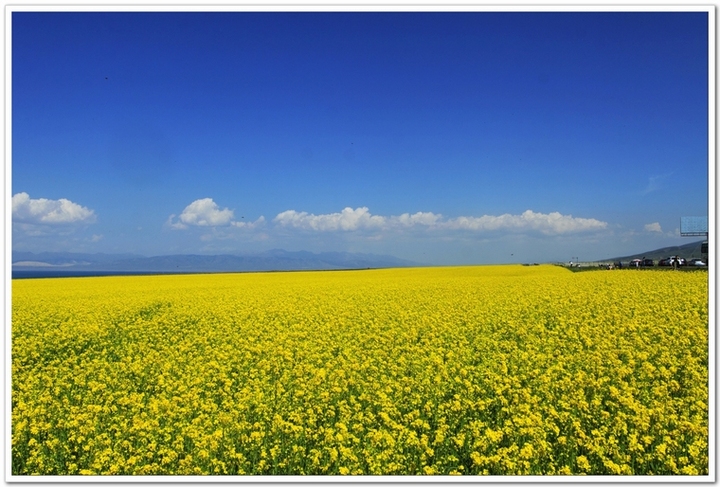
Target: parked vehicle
647	263
669	261
696	262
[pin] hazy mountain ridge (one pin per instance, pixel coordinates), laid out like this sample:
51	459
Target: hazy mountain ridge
688	251
68	258
270	260
275	259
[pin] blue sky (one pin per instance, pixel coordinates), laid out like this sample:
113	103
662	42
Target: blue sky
444	138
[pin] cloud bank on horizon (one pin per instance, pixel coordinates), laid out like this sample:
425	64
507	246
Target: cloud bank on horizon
360	218
206	213
42	216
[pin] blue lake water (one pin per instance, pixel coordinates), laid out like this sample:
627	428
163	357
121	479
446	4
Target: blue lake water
36	274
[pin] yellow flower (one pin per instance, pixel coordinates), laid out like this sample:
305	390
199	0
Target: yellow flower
582	463
485	370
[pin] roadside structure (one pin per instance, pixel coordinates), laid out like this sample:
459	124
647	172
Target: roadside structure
696	226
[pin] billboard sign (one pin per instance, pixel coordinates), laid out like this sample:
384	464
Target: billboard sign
694	226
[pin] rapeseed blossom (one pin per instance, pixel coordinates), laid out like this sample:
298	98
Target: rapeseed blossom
491	370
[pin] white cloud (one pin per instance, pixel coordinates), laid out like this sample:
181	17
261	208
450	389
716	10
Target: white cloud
204	213
249	225
550	224
420	218
656	183
360	218
348	219
43	211
653	227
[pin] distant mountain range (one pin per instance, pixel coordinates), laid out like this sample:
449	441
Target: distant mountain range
271	260
688	251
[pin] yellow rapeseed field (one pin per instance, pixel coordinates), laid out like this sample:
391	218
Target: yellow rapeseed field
490	370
